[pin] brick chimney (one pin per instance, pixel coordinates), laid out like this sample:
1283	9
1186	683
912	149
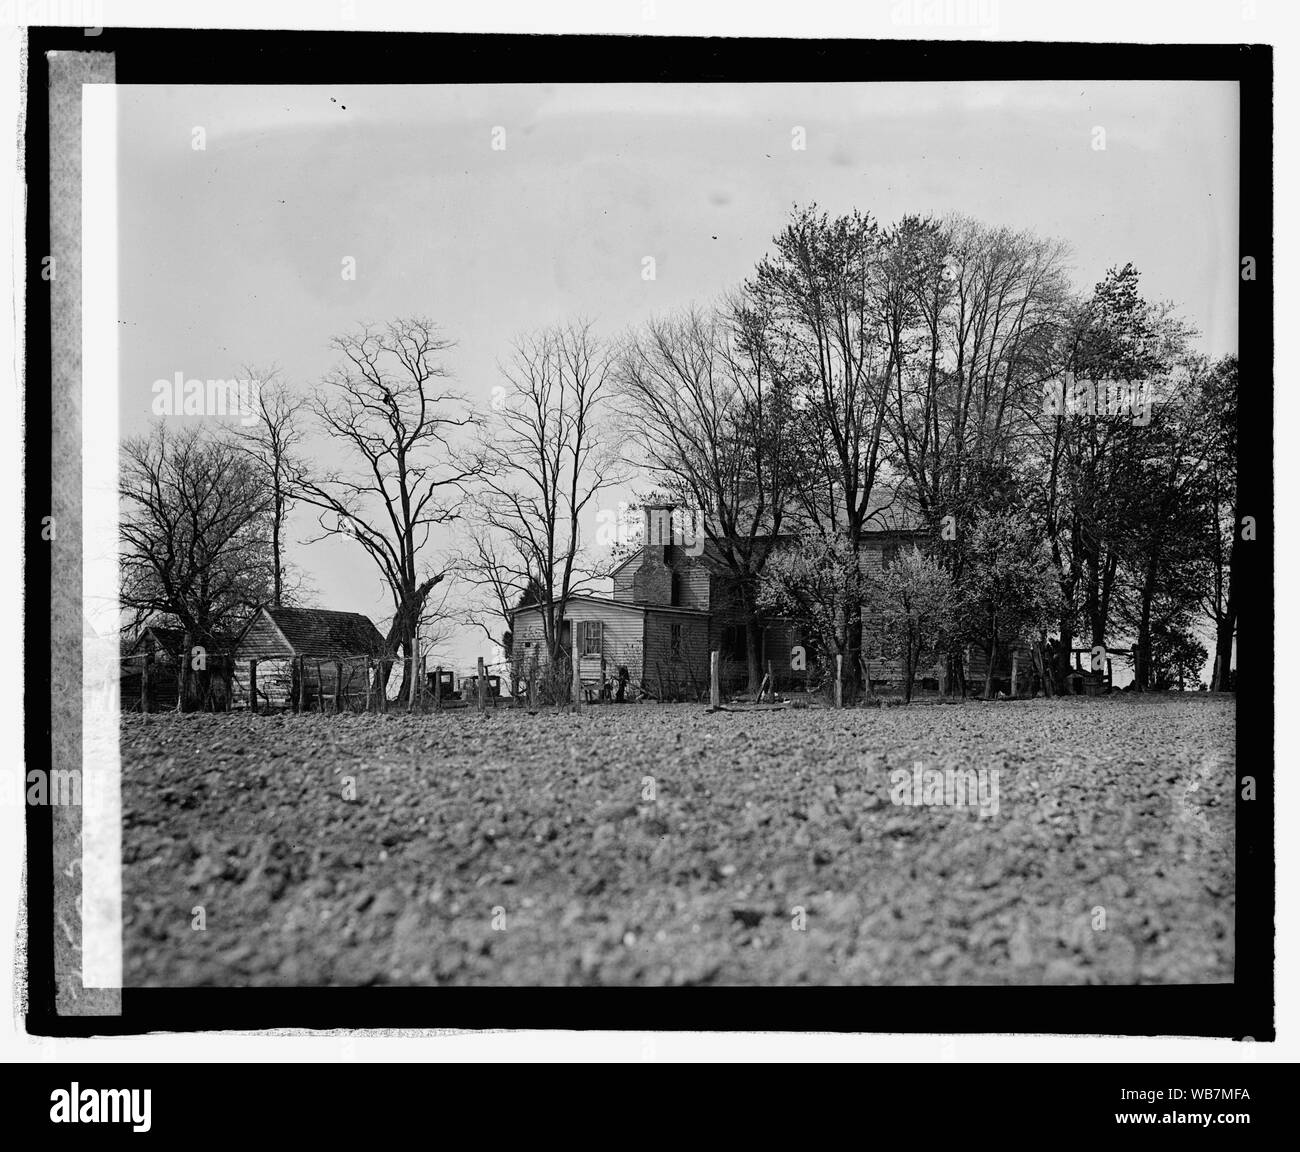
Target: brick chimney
653	581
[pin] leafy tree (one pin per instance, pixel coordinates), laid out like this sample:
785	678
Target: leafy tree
1219	585
1177	656
1008	586
1165	545
1090	457
917	603
817	294
971	315
817	582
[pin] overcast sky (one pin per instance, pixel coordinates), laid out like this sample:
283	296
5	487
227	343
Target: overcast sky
233	254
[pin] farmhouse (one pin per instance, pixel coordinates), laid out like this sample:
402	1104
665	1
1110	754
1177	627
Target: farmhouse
289	643
673	604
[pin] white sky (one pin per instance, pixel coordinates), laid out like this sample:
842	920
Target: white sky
233	254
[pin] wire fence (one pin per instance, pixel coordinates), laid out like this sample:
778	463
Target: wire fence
330	685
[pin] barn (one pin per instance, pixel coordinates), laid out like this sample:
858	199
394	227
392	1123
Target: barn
301	649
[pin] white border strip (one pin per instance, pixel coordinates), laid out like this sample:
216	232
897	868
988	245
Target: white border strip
101	764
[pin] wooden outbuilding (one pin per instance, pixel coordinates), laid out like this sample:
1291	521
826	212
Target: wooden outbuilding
298	653
168	660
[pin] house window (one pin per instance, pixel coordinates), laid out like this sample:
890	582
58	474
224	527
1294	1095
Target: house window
590	637
675	639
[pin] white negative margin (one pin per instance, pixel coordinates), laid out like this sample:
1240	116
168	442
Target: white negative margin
101	760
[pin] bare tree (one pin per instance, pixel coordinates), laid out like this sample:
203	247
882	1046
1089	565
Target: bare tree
386	406
709	425
546	457
273	440
194	530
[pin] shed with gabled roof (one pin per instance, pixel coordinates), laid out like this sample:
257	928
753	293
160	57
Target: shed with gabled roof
291	642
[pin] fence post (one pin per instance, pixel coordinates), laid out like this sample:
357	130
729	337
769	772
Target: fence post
771	683
481	685
338	686
532	682
602	674
715	680
839	680
381	685
1015	672
302	684
437	688
186	644
576	660
1048	673
252	685
144	685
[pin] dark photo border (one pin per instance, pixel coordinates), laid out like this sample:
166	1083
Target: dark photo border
1244	1008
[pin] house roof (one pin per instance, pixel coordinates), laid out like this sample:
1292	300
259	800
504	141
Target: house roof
322	632
172	640
889	512
624	605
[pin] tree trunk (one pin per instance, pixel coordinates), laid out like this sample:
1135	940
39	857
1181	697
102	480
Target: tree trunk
988	672
1142	653
753	651
1063	653
275	547
853	655
1223	654
1225	627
